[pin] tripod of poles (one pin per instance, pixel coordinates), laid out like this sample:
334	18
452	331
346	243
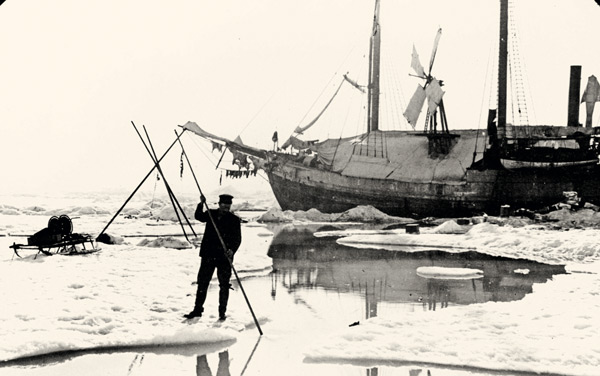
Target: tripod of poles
176	205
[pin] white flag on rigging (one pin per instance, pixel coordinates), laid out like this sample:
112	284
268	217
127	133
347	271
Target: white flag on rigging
434	95
413	110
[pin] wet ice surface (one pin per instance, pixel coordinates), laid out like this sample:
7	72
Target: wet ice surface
123	305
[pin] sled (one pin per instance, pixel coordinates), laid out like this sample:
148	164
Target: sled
57	238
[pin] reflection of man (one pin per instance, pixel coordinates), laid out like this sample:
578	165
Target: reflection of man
212	253
202	368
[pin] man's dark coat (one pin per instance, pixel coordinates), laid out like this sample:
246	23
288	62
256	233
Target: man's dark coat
229	228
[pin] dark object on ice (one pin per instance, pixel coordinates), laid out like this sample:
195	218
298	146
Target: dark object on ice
222	317
394	226
571	201
525	213
354	323
44	236
412	228
57	238
58	228
105	238
463	221
504	210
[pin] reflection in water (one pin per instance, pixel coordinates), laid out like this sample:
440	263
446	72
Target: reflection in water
385	278
203	369
303	261
375	282
438	291
417	372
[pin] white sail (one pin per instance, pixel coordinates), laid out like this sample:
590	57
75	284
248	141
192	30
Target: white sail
435	47
592	91
434	94
415	63
413	110
590	96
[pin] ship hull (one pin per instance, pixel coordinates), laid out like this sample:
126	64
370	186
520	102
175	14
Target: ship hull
297	187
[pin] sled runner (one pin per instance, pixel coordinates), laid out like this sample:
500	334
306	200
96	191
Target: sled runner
57	238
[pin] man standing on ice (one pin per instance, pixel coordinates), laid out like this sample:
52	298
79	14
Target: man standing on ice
212	253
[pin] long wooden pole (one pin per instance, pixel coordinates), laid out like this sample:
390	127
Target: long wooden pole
220	159
139	186
172	197
169	190
221	240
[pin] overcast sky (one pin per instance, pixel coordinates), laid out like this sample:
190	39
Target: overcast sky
73	74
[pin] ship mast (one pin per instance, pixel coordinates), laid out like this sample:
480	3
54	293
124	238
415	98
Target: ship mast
502	66
374	63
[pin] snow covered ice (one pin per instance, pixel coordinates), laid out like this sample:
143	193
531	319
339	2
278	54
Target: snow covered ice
132	295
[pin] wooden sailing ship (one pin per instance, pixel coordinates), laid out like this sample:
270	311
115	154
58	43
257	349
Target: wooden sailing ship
434	172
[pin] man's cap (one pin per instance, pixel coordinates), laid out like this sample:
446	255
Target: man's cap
225	198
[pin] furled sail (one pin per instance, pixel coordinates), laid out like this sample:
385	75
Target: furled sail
300	130
195	128
354	83
297	143
232	145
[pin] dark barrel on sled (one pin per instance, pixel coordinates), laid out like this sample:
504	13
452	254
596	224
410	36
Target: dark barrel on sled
58	228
